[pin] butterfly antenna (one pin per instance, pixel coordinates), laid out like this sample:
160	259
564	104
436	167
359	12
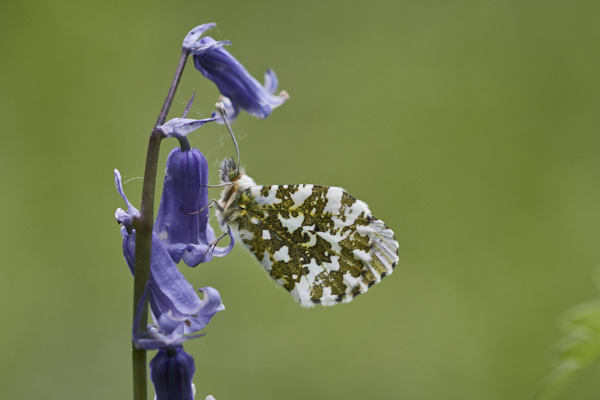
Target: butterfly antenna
221	109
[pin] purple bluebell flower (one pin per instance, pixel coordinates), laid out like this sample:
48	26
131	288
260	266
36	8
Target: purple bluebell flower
239	89
171	371
182	219
175	305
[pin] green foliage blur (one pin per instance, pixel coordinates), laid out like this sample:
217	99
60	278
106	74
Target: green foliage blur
471	128
576	351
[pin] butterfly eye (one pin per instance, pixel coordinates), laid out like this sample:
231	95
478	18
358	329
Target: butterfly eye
233	175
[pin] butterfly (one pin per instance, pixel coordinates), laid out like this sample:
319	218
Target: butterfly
318	242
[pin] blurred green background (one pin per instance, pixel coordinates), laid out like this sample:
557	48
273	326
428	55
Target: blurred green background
471	128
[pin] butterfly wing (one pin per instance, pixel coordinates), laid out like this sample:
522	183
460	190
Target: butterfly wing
318	242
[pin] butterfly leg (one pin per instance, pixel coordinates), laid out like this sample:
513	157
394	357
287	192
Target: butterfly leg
214	243
211	203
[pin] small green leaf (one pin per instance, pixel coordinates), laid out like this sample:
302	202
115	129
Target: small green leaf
578	349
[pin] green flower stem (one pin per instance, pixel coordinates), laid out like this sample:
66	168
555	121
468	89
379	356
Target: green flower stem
143	233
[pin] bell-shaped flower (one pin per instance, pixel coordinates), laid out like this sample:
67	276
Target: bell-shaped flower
171	372
239	89
182	219
175	305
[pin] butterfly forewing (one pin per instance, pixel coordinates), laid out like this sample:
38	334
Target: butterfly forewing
318	242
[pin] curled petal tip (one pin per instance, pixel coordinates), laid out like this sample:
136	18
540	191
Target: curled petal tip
124	217
192	37
271	81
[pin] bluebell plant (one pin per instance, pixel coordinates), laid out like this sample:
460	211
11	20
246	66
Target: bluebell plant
182	231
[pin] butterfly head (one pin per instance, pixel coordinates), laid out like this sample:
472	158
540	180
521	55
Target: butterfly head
230	171
234	176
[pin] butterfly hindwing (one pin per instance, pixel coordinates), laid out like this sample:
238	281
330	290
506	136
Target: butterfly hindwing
318	242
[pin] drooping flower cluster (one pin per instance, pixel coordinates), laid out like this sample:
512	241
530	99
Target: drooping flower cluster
182	231
176	309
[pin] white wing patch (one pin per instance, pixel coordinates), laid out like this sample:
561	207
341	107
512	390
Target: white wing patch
291	223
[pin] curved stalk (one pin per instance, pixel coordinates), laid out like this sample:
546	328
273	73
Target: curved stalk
143	228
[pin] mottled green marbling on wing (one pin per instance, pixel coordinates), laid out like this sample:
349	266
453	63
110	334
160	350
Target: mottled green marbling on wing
318	242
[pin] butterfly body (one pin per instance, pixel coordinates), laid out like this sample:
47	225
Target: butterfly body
318	242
